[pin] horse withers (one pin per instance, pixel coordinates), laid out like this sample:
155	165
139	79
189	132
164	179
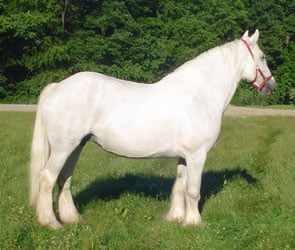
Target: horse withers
178	116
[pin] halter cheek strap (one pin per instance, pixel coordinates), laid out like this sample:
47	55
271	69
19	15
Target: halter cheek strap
256	85
248	47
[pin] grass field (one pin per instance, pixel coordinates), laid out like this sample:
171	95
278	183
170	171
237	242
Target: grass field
248	193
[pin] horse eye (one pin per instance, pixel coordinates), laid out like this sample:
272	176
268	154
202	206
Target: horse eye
263	57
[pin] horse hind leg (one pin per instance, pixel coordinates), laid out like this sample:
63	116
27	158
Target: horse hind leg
48	177
66	208
179	192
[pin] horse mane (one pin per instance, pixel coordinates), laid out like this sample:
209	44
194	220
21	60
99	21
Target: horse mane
227	51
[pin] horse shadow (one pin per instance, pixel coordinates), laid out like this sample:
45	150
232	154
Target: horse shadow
157	187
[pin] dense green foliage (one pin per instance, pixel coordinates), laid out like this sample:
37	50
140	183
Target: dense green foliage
142	40
247	199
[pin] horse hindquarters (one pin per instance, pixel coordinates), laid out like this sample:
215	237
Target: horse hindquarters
45	168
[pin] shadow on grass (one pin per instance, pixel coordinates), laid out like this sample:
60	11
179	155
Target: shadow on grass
155	186
214	181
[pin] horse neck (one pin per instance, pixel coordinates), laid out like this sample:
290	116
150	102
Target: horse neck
226	73
213	76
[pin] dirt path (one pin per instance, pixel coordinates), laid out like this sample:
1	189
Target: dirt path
18	107
246	111
231	110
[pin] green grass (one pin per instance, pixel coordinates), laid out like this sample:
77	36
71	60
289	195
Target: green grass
248	198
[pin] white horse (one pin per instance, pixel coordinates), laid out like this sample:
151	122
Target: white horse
179	116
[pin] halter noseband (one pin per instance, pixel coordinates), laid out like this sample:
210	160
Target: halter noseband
258	71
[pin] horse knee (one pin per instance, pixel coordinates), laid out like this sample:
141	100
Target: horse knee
194	194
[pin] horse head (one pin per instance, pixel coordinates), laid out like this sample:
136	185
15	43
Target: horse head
256	71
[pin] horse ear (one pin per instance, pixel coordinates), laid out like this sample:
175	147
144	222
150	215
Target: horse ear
246	35
254	37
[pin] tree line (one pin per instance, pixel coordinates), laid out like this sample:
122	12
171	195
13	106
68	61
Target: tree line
45	41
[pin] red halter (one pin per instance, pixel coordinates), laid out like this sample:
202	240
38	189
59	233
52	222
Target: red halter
256	85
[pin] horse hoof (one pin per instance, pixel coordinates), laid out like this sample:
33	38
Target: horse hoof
174	217
192	222
54	225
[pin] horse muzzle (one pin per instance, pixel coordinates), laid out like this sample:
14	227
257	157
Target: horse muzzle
268	87
265	85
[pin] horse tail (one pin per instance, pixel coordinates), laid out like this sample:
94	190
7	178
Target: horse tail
40	149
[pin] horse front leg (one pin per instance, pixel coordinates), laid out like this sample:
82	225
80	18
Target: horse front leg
66	208
195	164
177	209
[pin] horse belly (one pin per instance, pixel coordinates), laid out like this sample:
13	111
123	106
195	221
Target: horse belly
138	143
